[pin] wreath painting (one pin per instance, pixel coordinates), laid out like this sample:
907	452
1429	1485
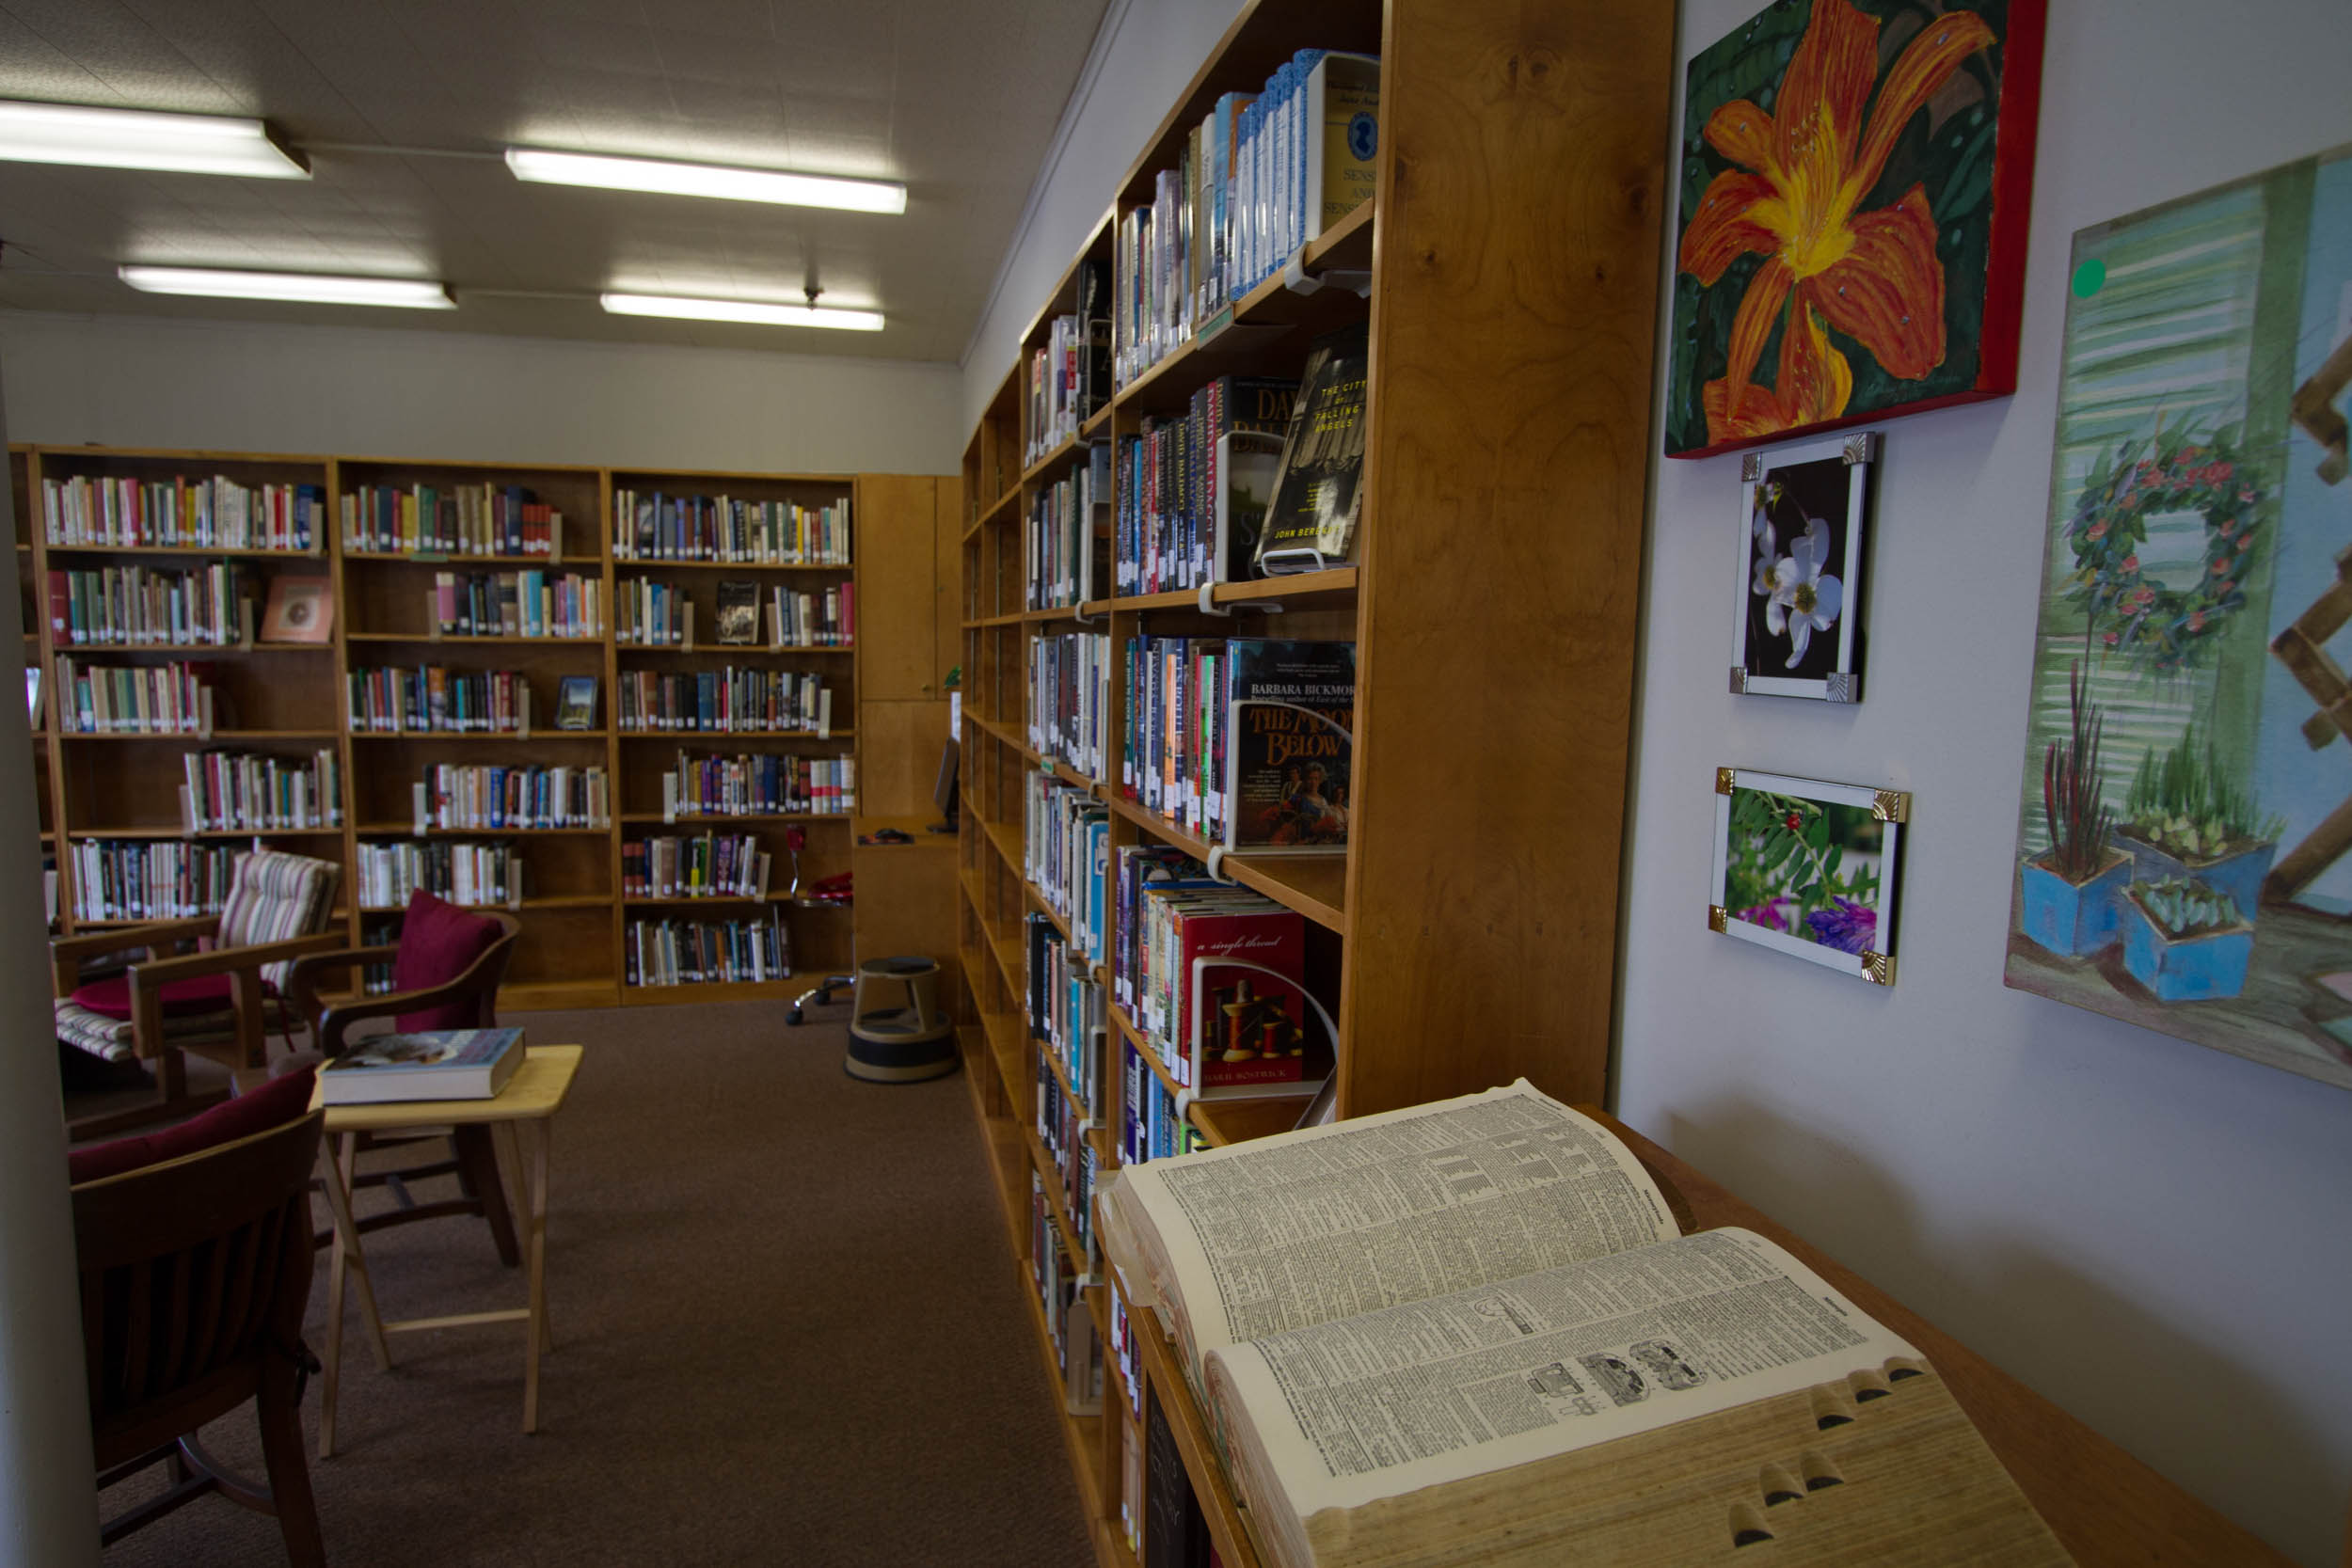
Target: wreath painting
1854	186
2184	839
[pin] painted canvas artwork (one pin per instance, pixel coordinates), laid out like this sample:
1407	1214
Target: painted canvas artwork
1809	868
2184	841
1803	509
1855	182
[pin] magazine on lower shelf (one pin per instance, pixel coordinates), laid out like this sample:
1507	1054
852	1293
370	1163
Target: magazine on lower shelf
1471	1332
440	1064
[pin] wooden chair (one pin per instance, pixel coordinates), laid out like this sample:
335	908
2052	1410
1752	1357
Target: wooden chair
194	1276
221	1004
465	1000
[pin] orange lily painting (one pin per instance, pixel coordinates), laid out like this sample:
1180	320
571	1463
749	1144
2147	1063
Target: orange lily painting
1856	175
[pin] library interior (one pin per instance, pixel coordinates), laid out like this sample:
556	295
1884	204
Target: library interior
724	696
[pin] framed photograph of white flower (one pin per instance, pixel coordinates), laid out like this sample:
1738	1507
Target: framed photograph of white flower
1809	868
1802	510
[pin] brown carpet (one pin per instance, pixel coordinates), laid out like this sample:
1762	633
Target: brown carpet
787	1330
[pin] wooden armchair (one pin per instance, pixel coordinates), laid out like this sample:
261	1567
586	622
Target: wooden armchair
448	963
196	1273
221	1004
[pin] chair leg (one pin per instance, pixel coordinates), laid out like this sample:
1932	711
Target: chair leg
279	1413
478	1160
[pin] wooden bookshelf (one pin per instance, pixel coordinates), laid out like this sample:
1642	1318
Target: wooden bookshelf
1468	934
291	700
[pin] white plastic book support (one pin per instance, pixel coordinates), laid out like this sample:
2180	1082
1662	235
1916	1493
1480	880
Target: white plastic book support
425	818
1208	591
515	886
522	709
1217	865
433	614
244	622
1298	281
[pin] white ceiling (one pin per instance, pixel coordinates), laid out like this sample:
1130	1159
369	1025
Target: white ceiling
957	100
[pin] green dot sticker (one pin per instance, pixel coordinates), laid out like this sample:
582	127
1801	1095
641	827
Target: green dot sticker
2090	277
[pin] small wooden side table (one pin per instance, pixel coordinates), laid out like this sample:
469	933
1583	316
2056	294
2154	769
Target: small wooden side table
518	1118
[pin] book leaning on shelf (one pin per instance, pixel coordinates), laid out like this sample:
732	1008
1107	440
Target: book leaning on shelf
441	1064
1318	492
1471	1332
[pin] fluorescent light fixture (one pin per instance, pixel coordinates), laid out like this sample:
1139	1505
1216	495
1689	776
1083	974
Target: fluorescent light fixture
139	138
728	185
752	312
303	288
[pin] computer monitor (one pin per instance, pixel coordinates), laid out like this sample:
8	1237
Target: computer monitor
944	793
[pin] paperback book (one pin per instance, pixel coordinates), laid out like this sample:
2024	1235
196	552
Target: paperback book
1311	523
440	1064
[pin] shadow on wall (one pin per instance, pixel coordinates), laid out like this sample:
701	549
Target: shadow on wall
2187	1407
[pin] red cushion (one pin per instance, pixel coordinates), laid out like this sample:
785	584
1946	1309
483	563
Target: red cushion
438	941
279	1100
204	994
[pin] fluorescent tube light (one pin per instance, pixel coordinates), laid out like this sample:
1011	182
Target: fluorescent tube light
303	288
730	184
753	311
139	138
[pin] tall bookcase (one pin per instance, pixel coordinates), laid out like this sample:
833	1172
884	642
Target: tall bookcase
291	701
1469	935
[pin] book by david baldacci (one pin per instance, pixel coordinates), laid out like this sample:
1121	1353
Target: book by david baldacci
441	1064
1311	523
1291	744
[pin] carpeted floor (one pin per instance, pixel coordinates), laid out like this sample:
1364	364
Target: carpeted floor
787	1331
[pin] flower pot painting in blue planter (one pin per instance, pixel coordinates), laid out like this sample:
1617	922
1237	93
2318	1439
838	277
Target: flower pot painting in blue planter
2184	941
2075	919
2237	869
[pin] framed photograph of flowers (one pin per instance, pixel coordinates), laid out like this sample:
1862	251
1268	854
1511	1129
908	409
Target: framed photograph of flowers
1809	868
1855	180
1803	508
2183	854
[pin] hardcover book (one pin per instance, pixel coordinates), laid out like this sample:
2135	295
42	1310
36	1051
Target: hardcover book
299	609
1311	523
1506	1353
1290	719
576	703
739	611
441	1064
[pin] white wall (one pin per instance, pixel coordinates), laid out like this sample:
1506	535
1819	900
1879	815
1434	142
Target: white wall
2152	1233
150	381
1143	58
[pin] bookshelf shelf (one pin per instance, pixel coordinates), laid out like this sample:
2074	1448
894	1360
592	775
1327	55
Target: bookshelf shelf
578	644
470	738
729	650
688	738
408	830
645	564
1495	291
80	835
200	552
190	738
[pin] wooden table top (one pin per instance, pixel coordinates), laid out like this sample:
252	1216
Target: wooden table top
533	1094
2104	1505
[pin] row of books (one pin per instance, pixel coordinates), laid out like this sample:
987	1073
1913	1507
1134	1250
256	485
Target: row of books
715	866
1064	567
707	527
473	797
1069	1322
727	701
1259	177
177	698
216	514
138	606
227	791
1070	373
1067	1011
149	879
1193	488
1069	692
1248	742
651	613
705	952
433	698
1216	976
472	519
478	875
1065	857
1149	1125
527	603
765	786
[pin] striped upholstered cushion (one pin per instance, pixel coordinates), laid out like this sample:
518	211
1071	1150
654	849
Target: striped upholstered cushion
110	1038
273	896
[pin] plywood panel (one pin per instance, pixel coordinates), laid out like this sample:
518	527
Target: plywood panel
895	614
898	745
1506	467
947	586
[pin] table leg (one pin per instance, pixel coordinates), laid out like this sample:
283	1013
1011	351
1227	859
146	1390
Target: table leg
538	1139
337	1162
511	1158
